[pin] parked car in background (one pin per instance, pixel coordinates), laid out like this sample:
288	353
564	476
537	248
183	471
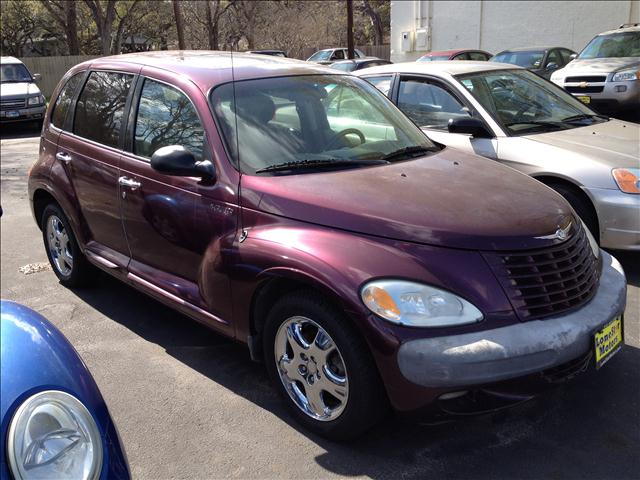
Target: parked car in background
542	61
478	55
364	264
330	55
20	97
55	423
606	74
359	64
516	117
275	53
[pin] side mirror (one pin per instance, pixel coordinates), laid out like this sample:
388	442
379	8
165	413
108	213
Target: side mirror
36	77
177	161
469	126
552	66
573	56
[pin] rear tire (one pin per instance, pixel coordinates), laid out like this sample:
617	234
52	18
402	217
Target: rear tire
68	263
347	370
584	210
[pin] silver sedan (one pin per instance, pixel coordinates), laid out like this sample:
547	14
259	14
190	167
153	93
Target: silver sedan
515	117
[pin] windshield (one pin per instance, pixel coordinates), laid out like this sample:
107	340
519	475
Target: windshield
321	55
14	72
523	102
345	67
530	59
433	59
334	119
624	44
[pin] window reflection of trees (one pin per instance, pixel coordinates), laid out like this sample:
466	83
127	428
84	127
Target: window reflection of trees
101	106
64	100
166	117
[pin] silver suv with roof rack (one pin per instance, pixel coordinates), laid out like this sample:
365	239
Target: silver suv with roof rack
606	74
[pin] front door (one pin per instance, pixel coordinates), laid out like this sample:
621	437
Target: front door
167	218
90	153
431	104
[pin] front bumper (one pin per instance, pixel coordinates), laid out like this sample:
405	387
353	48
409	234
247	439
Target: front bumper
619	218
24	114
516	350
609	100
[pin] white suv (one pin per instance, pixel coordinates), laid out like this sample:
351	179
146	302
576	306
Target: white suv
606	74
20	97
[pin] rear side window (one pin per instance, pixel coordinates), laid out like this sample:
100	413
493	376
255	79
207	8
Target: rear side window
100	108
166	117
63	102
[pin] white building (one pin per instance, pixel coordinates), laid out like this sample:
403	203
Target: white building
420	26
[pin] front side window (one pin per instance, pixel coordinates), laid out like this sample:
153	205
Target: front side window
100	108
166	117
63	102
338	55
566	55
382	83
525	103
14	73
478	56
624	44
532	59
429	105
554	57
315	120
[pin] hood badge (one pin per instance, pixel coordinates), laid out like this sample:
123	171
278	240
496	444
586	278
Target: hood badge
584	84
559	234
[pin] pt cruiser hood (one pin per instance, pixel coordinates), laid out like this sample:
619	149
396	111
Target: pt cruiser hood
450	199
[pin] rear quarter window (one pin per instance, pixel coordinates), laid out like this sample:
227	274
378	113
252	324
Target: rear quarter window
100	108
63	102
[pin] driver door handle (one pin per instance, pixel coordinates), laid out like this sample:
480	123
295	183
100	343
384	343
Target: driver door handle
63	157
128	182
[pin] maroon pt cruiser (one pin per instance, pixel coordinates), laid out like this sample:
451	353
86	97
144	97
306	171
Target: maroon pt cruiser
295	209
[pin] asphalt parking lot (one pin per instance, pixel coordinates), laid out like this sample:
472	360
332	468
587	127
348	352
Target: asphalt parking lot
190	404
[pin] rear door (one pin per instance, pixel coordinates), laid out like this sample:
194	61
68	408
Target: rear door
431	103
90	153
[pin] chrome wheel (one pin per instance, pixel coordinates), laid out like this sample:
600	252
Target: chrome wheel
59	245
311	368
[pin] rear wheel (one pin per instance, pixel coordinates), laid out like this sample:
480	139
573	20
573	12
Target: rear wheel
68	262
321	367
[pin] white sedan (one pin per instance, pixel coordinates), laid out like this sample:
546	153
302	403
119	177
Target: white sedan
511	115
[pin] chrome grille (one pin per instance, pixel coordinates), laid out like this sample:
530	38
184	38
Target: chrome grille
549	281
12	104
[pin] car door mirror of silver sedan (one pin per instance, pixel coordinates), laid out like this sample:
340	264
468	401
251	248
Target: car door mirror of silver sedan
469	126
177	161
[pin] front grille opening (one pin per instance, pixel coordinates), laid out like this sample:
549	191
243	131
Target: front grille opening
547	282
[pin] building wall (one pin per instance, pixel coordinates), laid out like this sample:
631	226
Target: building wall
498	25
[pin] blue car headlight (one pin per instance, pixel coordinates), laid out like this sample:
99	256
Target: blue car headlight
53	435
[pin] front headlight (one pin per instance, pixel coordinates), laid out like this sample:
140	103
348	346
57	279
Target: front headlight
626	75
592	241
628	179
39	100
417	305
53	435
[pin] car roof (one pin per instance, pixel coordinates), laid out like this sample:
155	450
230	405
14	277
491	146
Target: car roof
631	28
529	49
451	67
362	60
9	60
210	68
449	52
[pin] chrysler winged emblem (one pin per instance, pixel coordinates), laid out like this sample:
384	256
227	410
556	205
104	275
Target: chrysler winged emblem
560	234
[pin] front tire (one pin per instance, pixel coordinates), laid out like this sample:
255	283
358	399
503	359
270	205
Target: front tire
68	263
321	367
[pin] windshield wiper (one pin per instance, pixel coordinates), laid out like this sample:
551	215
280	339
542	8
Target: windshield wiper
536	123
584	116
408	152
319	163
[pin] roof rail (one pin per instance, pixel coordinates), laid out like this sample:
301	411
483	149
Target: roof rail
626	25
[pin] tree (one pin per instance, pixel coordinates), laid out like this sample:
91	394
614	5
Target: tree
375	12
179	24
64	13
19	25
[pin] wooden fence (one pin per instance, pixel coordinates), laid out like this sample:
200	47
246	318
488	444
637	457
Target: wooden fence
52	69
